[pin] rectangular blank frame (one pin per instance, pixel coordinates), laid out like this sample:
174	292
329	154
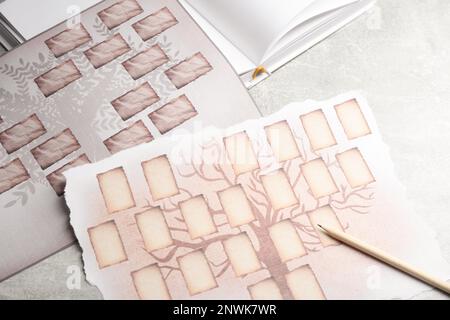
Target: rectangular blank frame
265	290
55	148
173	114
119	12
145	61
12	174
355	168
242	254
286	240
188	70
282	141
134	101
279	190
135	134
160	178
150	284
67	40
22	133
236	206
154	229
352	119
115	190
303	284
57	78
196	272
154	24
319	178
240	153
198	219
107	244
106	51
318	130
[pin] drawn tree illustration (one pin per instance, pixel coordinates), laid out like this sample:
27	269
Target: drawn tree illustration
208	165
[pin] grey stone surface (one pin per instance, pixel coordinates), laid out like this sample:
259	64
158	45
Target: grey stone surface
398	55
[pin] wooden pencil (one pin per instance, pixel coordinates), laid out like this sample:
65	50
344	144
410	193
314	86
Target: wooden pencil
386	258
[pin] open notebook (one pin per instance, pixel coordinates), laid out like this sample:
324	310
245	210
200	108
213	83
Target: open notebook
270	33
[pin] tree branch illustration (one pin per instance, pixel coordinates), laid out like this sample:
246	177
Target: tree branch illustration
208	166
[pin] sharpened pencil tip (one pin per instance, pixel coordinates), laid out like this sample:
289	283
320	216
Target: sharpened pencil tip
323	229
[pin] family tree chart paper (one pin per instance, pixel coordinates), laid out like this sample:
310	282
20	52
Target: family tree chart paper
233	214
120	74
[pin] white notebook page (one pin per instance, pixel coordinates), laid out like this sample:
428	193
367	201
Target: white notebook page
255	26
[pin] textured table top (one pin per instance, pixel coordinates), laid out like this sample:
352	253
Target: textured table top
398	55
